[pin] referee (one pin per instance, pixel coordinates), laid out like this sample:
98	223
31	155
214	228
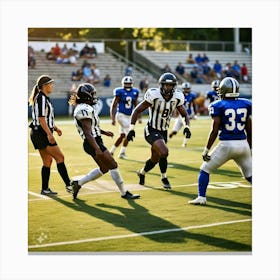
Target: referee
42	127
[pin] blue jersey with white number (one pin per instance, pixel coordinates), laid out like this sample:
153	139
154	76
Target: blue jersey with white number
233	113
212	95
188	101
127	99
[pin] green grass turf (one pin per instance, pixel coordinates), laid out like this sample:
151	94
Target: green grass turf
104	222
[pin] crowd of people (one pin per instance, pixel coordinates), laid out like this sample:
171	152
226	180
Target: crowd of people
200	70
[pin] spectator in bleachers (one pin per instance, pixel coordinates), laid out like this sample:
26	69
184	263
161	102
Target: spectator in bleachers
236	69
218	68
196	75
77	75
205	58
87	73
96	74
75	50
144	84
64	50
93	51
166	69
88	52
190	59
198	59
107	81
31	57
244	73
180	69
227	71
54	53
128	70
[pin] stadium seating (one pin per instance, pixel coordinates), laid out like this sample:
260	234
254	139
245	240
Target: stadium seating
61	73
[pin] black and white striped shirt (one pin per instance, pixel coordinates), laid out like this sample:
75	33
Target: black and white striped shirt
85	111
42	107
161	111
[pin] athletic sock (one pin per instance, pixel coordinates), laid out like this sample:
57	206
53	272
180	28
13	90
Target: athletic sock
63	173
45	174
203	181
163	165
116	176
149	165
92	175
185	140
122	151
113	149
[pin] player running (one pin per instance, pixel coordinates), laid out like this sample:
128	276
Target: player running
162	102
87	124
125	100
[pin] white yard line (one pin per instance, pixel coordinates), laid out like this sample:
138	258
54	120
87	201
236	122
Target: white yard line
135	234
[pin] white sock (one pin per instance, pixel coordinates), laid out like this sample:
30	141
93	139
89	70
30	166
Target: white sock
122	151
185	141
92	175
113	149
163	175
116	176
142	171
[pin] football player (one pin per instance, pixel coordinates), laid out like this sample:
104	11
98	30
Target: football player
162	102
87	124
212	95
125	100
232	121
190	106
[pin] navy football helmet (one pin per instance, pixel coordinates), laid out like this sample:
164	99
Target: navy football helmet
215	85
167	79
127	82
229	87
86	92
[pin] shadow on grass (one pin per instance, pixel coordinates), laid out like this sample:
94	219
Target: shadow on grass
224	204
138	219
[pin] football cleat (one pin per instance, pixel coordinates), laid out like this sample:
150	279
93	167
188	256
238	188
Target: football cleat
200	200
129	195
123	156
166	183
75	187
69	189
48	191
141	178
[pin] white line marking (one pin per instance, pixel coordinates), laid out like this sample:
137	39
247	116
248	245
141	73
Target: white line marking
135	234
99	190
38	195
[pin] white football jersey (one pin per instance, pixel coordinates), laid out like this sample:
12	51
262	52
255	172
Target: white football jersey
85	111
161	111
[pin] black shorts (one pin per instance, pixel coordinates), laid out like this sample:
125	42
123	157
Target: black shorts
39	138
151	134
89	149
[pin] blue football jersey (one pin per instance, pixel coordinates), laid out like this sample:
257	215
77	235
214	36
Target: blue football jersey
212	95
127	99
233	113
188	100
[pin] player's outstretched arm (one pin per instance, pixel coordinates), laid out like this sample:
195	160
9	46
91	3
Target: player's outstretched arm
141	107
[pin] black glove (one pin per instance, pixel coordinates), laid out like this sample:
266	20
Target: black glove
130	135
187	132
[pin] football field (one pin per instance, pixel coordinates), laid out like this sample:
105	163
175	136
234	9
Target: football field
100	221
